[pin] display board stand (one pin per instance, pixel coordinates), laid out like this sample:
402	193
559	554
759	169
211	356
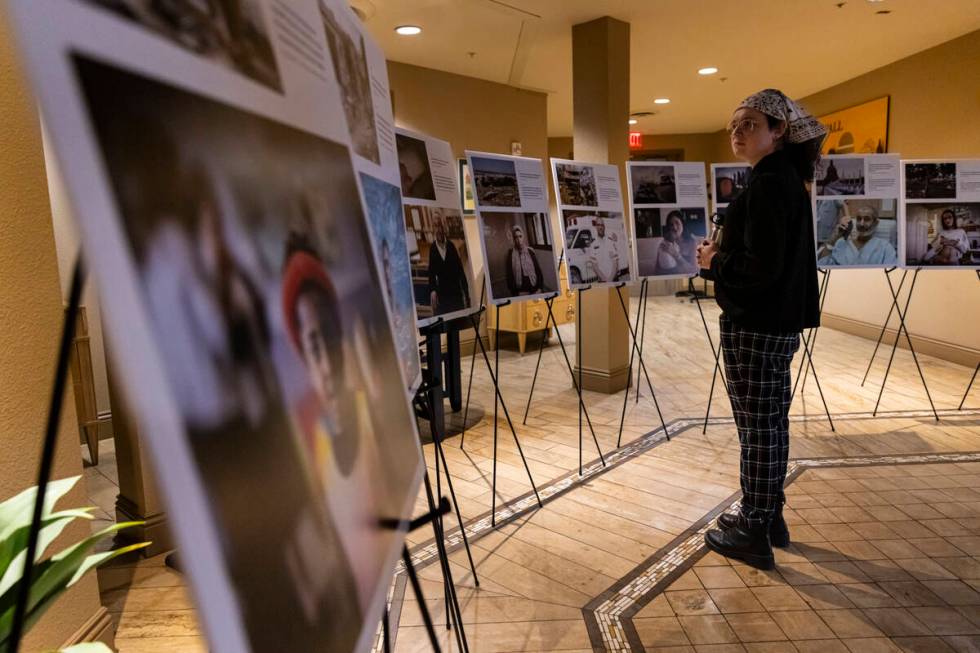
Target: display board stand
640	311
809	342
644	300
975	370
902	314
884	327
717	371
48	446
497	403
807	359
637	343
576	384
428	403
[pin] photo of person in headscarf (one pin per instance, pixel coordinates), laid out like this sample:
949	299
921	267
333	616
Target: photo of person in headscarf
519	253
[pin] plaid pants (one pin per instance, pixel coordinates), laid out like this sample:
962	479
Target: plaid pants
757	366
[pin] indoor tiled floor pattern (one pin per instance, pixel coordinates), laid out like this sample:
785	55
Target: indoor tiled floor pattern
885	556
884	559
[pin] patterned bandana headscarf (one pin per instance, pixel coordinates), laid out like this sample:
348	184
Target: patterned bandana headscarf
802	126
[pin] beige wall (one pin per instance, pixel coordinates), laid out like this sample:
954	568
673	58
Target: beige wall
935	104
472	114
30	328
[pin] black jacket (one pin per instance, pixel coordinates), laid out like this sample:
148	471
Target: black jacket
765	271
447	278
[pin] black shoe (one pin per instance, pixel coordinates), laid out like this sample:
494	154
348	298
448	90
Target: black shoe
778	530
742	542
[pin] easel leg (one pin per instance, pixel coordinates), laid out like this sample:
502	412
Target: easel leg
715	352
808	352
423	606
386	631
469	386
578	345
972	379
824	287
884	327
513	432
810	340
645	301
496	402
578	391
622	416
643	367
537	365
454	613
902	313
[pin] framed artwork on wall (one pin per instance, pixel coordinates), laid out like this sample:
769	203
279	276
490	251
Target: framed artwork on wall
861	129
465	188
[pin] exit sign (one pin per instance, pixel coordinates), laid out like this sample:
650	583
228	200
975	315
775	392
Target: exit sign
636	140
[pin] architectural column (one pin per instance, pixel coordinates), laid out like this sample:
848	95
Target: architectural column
138	499
600	73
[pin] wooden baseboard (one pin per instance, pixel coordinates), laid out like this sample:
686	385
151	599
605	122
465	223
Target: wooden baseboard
154	530
923	345
608	382
98	628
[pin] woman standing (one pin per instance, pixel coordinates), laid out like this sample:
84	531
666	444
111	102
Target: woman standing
765	277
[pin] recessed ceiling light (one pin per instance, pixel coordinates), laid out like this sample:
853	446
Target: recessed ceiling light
662	100
408	30
883	12
710	70
633	121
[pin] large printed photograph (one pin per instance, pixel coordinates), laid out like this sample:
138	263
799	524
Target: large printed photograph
576	185
653	184
667	240
232	33
383	203
442	276
596	247
519	253
495	181
348	52
257	278
840	176
942	234
414	168
859	233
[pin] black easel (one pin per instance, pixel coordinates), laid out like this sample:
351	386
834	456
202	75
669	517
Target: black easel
576	384
498	402
717	371
639	312
429	404
636	345
884	327
644	300
48	446
809	342
902	313
975	370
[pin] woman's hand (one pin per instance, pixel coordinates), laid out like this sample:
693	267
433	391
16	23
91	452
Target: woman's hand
706	252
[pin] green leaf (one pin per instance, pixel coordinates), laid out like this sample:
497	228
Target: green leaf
17	511
87	647
17	542
52	576
15	570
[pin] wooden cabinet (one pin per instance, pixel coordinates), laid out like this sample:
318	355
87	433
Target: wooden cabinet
528	316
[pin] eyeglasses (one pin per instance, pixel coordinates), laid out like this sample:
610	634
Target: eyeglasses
743	126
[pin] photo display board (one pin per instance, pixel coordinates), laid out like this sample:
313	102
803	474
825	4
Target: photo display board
511	198
219	211
941	220
590	205
362	72
439	252
855	210
728	180
669	204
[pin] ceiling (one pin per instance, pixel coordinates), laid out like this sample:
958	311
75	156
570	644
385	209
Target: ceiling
799	46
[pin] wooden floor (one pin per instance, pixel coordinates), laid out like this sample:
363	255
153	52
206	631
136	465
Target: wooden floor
610	555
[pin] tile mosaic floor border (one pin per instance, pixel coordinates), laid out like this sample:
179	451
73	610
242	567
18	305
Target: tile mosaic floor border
602	630
609	616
